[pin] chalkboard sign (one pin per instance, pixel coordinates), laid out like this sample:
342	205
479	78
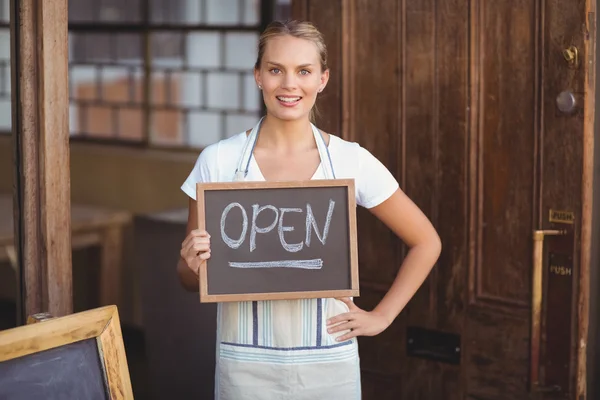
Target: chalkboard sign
278	240
80	356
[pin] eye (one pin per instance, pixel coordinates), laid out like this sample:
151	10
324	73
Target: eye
304	72
275	70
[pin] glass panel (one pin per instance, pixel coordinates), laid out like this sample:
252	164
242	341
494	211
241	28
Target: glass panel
167	46
130	123
251	12
5	100
223	91
205	12
205	128
176	11
237	123
201	84
167	126
73	119
82	83
283	10
106	82
5	116
223	12
112	11
4	11
252	96
203	49
121	48
124	84
240	50
98	121
192	87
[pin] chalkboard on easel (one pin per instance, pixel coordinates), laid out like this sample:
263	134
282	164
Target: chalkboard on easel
80	356
278	240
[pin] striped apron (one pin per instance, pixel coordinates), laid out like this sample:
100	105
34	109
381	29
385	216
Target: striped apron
280	349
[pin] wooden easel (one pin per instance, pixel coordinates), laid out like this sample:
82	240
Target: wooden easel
49	341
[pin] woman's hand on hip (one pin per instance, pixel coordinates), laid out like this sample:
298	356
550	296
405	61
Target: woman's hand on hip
195	249
358	321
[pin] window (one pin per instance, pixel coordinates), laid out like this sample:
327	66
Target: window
5	116
162	73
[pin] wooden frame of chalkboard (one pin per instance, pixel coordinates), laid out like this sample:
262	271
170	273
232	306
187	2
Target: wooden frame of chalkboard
344	285
101	325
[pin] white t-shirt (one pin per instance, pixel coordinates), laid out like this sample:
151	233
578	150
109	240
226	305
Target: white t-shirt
373	181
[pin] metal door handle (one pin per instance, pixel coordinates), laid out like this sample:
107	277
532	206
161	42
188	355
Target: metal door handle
571	55
537	296
566	101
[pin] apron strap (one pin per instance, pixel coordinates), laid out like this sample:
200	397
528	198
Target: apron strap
323	153
244	161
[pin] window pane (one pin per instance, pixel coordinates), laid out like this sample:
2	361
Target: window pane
205	12
208	78
283	10
105	11
167	126
192	89
237	123
251	12
240	50
106	83
252	96
203	49
108	47
5	116
205	128
5	100
167	46
223	12
176	11
4	11
223	91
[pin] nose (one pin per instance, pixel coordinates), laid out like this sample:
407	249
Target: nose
289	82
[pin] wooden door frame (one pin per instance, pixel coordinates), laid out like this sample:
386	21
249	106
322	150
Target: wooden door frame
593	328
589	284
40	121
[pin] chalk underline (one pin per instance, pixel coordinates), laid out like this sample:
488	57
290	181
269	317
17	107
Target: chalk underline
316	263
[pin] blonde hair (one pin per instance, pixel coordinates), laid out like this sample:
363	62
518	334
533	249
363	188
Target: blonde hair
298	29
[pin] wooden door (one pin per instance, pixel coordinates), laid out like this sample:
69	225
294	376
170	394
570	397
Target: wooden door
459	99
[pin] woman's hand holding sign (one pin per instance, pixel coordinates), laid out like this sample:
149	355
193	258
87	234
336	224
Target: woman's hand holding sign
195	249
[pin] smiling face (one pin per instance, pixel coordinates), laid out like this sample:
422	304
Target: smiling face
291	76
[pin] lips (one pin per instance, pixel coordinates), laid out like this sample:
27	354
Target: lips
288	101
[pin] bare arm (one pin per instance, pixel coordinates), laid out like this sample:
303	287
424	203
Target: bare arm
407	221
195	250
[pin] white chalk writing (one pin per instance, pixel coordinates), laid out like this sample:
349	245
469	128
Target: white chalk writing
234	244
255	229
311	222
302	264
279	213
292	248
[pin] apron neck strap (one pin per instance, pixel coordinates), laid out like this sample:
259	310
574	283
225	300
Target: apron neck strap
244	161
326	162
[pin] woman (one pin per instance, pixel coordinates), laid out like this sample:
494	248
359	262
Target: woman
298	353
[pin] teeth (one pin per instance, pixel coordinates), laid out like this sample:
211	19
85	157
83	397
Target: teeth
288	99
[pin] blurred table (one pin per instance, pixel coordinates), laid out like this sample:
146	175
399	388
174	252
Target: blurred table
90	226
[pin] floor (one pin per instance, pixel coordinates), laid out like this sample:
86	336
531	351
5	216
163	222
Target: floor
134	347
